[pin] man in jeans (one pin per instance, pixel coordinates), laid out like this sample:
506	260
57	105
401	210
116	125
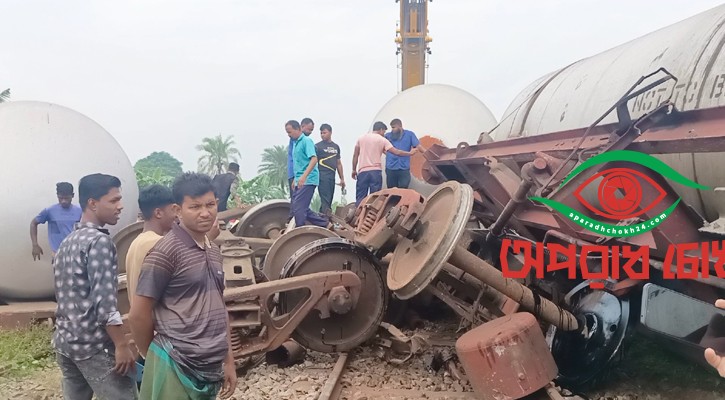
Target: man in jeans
306	126
397	168
328	156
366	165
92	351
306	177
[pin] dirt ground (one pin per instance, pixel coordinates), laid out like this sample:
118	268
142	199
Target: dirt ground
645	371
368	378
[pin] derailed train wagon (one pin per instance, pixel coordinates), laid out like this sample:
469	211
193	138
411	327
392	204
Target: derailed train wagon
601	190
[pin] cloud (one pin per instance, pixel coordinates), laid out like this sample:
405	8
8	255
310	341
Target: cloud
160	75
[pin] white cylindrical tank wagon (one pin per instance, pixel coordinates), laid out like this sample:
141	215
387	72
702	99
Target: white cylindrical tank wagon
576	95
44	144
437	113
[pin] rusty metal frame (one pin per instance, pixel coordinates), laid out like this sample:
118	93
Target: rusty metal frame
386	213
278	328
662	131
696	131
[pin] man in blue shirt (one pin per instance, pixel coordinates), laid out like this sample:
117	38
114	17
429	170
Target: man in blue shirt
306	126
60	218
306	177
397	168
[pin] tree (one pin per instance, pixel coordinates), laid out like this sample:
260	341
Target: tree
259	189
160	160
5	95
148	177
274	164
158	167
317	202
217	152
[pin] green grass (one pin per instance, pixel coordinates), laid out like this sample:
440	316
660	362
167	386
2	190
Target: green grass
23	351
654	361
649	365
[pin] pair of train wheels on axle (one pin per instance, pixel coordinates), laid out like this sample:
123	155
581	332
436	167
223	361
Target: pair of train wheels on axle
415	263
413	266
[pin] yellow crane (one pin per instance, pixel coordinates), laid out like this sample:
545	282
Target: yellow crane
412	40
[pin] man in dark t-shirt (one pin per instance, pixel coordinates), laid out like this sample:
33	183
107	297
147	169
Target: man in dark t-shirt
328	156
225	187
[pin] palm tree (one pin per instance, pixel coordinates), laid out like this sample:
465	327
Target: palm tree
274	165
217	153
5	95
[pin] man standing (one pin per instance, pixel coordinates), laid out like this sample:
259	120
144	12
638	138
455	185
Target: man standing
306	177
306	126
328	154
366	166
397	168
60	218
92	351
157	207
225	186
180	297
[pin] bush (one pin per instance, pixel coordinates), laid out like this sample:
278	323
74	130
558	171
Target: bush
25	350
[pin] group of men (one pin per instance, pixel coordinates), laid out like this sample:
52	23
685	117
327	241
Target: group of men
397	146
304	175
178	318
313	166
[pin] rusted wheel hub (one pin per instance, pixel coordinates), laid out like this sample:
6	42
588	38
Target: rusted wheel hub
417	260
287	244
342	330
265	220
340	300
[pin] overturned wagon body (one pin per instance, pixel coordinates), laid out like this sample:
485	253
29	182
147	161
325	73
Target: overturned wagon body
600	190
573	97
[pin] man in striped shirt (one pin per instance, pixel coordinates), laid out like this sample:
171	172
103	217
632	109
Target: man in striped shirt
180	296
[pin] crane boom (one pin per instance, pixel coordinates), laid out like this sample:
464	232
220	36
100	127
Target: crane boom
412	39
